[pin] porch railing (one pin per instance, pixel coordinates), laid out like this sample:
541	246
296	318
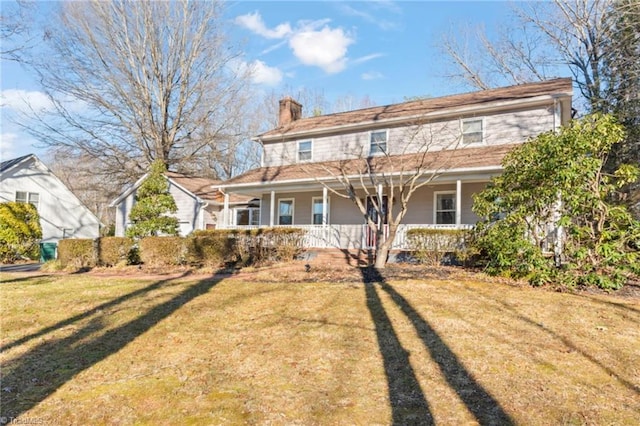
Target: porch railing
354	236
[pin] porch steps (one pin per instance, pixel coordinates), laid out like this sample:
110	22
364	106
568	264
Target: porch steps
328	257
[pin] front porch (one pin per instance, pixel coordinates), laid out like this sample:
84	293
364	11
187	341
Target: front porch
352	237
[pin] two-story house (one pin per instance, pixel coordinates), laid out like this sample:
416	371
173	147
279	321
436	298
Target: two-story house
454	143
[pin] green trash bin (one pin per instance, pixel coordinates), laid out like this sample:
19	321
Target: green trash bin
48	251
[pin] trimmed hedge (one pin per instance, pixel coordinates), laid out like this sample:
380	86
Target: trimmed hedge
162	251
77	253
114	250
211	248
430	245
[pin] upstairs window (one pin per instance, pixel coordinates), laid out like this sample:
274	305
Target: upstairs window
304	151
28	197
378	142
445	208
472	131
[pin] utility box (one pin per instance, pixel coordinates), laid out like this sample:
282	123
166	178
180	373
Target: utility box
48	251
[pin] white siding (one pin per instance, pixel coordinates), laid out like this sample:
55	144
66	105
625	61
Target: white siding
504	128
61	212
343	211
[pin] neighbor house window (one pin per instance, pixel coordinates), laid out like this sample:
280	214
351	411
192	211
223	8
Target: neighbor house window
472	131
316	211
28	197
248	216
445	208
304	151
378	142
285	212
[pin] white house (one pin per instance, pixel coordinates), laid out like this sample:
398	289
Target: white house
199	204
62	215
456	142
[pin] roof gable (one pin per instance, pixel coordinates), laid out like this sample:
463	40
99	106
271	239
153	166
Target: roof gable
9	164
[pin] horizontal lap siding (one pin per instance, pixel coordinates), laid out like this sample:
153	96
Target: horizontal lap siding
504	128
344	211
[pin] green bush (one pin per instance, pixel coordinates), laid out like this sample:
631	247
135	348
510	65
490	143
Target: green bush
20	232
114	250
77	253
430	245
162	251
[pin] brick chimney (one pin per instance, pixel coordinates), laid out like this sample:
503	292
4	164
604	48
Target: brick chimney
290	111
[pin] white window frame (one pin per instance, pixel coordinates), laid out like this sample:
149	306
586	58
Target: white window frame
313	203
28	198
310	151
482	127
386	143
435	206
253	211
293	209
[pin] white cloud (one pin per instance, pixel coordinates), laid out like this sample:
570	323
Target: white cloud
262	73
24	101
313	43
7	142
253	21
326	48
372	75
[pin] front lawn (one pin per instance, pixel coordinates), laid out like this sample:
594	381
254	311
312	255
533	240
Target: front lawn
90	349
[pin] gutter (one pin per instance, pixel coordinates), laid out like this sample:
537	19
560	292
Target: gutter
330	179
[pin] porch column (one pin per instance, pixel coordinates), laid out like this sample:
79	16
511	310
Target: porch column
225	211
380	204
458	202
273	208
325	204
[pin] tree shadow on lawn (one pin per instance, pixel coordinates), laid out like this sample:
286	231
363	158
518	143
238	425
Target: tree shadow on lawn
35	375
401	377
511	310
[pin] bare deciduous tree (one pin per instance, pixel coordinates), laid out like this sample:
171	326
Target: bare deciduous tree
381	186
15	37
545	38
132	82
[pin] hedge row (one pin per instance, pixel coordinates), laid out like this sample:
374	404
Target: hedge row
212	248
431	245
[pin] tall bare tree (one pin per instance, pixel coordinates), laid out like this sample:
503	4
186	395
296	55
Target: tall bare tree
381	186
15	36
544	39
132	82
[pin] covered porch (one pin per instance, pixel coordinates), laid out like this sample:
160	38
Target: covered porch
334	222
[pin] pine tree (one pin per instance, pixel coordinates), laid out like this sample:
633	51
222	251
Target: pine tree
150	215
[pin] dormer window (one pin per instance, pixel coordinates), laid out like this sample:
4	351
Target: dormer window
472	131
304	151
378	142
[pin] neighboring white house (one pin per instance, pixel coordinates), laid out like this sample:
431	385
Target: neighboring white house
461	138
62	215
199	204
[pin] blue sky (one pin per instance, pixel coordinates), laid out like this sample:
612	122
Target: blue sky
383	50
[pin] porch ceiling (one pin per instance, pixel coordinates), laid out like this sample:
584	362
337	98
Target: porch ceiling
465	163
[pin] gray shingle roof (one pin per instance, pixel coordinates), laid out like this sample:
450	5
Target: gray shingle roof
6	165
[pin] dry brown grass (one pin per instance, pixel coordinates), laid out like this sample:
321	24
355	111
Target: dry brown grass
262	348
